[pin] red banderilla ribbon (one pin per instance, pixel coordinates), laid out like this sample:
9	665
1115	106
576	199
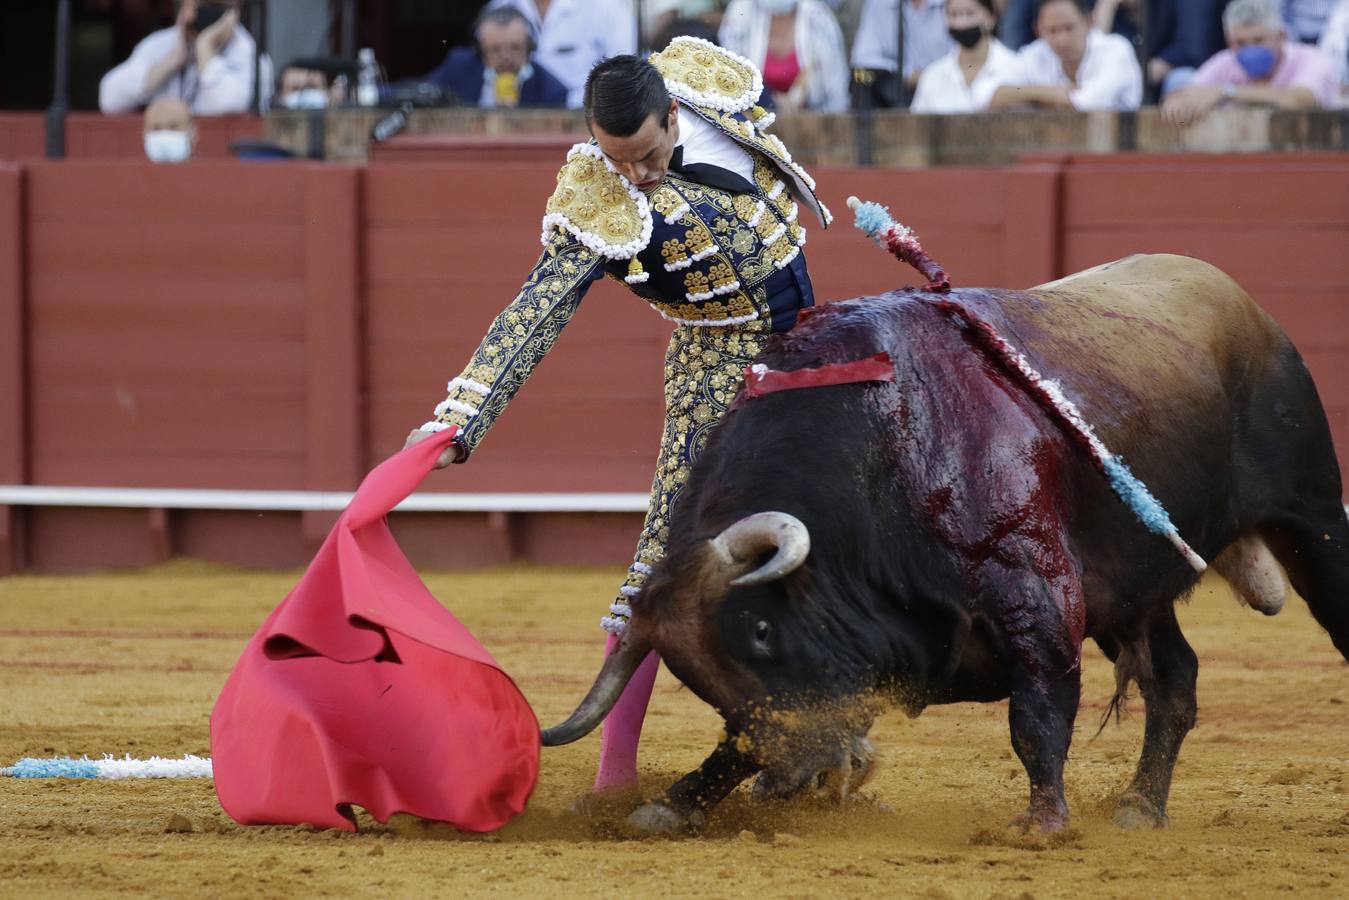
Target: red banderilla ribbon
761	380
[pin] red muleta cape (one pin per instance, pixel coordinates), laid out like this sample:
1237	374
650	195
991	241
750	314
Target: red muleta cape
361	689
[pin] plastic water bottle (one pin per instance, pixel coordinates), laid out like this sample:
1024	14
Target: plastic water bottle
367	78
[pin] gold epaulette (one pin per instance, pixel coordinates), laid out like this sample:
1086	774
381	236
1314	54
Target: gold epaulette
600	208
702	74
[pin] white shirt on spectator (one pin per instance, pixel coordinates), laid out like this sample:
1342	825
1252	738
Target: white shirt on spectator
822	85
942	89
576	34
1108	78
925	36
704	144
224	87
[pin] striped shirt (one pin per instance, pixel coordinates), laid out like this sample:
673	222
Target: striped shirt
925	37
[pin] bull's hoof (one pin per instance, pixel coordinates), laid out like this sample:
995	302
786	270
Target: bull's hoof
655	818
1136	811
610	804
1041	821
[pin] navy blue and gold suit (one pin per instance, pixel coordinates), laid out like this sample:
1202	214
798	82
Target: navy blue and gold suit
723	261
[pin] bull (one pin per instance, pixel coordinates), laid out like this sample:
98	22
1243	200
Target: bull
939	538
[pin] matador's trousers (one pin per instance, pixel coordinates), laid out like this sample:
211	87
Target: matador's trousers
704	368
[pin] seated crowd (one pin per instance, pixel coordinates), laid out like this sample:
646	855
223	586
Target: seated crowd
957	56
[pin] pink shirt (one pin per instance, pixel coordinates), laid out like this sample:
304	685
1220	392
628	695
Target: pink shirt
1300	66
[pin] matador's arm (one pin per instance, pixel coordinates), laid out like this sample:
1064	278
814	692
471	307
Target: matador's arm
518	339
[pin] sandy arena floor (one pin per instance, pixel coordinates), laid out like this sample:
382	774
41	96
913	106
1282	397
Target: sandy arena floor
131	664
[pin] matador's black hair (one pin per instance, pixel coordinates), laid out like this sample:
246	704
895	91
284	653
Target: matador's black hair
621	92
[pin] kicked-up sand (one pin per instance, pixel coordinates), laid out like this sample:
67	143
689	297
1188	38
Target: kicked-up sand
131	663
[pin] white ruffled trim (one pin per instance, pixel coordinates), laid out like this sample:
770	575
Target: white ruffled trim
766	121
758	215
640	568
614	625
590	239
782	263
639	278
700	296
801	241
708	323
619	608
776	189
678	264
476	386
458	406
677	214
775	234
682	91
828	216
726	289
629	590
433	427
793	213
705	252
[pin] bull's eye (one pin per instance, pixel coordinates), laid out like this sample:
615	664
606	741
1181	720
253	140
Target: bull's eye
762	632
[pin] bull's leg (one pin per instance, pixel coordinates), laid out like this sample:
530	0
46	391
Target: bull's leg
1041	716
692	796
1166	671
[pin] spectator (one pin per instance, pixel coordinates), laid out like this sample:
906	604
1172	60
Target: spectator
1260	67
304	84
1017	26
1182	35
1071	65
798	46
1306	19
170	135
877	45
1335	45
500	71
965	80
659	17
205	60
570	36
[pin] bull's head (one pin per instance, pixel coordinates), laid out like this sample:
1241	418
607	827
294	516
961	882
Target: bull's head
735	617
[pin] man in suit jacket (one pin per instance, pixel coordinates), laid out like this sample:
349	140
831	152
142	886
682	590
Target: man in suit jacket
500	71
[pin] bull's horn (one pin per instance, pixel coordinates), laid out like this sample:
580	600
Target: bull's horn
754	534
604	693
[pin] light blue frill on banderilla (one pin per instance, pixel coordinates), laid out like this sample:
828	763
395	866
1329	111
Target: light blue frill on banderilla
109	767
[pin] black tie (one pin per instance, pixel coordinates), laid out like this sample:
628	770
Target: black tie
707	174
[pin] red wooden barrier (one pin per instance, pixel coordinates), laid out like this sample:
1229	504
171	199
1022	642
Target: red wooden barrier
96	136
284	326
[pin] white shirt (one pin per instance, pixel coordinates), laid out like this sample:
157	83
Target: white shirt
942	89
1108	78
223	87
1335	41
703	143
822	85
576	34
925	37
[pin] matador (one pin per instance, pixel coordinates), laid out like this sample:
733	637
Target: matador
684	196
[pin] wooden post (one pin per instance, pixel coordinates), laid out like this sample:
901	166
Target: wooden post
13	363
335	358
1033	238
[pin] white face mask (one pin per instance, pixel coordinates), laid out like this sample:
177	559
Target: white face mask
778	7
306	98
168	146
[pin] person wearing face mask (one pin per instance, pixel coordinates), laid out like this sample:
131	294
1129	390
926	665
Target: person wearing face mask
304	84
169	132
965	80
876	56
205	60
501	71
797	44
1259	67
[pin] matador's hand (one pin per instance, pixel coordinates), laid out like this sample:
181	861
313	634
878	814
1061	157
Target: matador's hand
448	456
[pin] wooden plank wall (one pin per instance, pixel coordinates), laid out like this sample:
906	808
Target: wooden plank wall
285	325
95	136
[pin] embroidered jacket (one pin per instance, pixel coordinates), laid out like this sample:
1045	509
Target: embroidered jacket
696	253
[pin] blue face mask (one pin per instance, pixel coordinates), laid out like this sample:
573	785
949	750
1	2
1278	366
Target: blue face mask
1257	59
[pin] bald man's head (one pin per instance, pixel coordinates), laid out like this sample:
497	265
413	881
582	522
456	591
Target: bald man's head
169	132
